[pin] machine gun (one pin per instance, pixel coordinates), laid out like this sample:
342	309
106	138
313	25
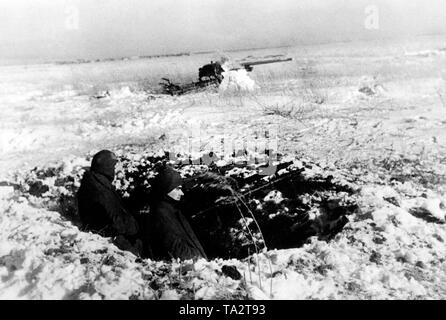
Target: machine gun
211	74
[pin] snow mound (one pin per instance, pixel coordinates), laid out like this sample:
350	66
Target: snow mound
369	86
237	80
6	191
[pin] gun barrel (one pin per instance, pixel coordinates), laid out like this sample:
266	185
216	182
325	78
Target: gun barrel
259	62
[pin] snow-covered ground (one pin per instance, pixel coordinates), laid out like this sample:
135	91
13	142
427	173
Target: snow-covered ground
372	113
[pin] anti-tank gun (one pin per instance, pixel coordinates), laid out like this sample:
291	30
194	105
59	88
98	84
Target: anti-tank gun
212	74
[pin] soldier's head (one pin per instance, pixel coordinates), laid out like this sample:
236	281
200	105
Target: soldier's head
104	162
168	182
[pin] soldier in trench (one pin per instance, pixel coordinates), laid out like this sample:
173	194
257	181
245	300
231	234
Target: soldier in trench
100	207
167	233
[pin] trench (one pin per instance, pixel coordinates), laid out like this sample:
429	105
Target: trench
236	216
235	210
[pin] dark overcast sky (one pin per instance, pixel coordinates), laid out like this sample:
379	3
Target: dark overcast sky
43	29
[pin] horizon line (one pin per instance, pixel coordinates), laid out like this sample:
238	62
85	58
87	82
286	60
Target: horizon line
202	52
